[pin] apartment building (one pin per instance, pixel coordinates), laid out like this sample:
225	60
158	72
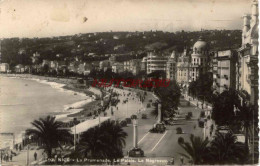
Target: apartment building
247	67
224	70
156	62
133	65
171	66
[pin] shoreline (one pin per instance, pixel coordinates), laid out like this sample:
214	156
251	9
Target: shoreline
65	85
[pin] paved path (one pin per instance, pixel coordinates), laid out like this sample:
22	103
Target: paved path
166	145
21	158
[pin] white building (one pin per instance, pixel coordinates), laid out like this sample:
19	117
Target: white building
4	67
199	59
247	68
224	70
155	62
118	67
171	67
183	69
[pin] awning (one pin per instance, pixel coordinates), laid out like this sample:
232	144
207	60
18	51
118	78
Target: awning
84	126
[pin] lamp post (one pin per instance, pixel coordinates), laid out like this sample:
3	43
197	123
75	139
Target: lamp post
28	147
75	135
135	151
135	135
159	113
102	105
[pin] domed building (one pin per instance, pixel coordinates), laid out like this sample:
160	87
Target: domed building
199	59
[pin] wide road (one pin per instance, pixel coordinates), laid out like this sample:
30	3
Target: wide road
166	145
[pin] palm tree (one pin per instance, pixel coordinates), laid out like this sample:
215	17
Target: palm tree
223	107
247	115
92	143
196	150
49	132
115	139
115	133
226	150
104	141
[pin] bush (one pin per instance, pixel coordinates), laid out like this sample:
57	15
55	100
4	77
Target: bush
144	116
151	100
208	117
179	130
190	114
180	140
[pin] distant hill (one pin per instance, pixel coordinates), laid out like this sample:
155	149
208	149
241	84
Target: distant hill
19	51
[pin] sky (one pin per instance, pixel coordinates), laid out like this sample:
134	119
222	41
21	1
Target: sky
46	18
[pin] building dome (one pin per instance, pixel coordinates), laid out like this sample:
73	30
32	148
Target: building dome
200	45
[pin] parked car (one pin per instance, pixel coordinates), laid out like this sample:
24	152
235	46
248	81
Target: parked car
144	116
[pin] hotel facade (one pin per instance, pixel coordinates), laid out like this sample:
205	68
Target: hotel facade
247	67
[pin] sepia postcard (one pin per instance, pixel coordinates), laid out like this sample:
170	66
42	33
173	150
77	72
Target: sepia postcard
129	82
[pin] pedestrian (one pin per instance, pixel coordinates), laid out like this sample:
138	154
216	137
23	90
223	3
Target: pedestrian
11	157
44	156
194	127
182	160
35	156
172	162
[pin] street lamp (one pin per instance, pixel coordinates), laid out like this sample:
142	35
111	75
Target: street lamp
28	147
204	130
75	123
99	112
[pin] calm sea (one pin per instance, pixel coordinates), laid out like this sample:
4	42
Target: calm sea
22	101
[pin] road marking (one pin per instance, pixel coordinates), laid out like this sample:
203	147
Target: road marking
159	141
143	137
